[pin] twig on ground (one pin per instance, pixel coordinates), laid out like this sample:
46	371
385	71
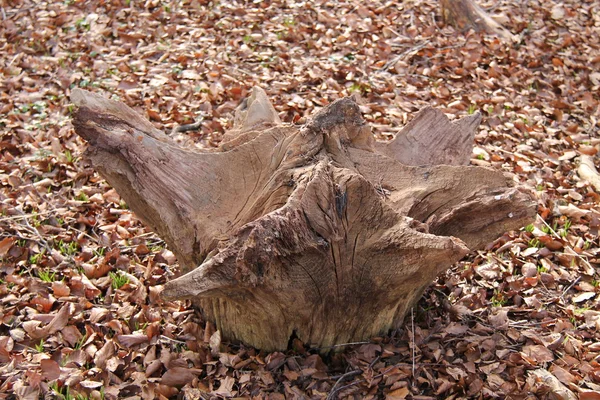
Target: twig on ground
189	127
411	51
343	377
412	323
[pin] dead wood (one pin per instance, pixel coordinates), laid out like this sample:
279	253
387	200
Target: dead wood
317	229
466	14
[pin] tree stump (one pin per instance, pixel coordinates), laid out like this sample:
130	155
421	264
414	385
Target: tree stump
466	14
314	230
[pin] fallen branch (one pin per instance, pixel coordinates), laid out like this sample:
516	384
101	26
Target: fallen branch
587	171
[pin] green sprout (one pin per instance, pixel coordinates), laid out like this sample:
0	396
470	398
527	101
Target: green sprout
118	279
529	228
498	299
536	243
82	197
47	276
80	343
67	249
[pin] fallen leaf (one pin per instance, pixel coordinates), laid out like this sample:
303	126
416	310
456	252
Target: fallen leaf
179	376
581	297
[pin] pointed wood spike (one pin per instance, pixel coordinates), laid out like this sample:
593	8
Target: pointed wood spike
91	106
255	110
201	282
432	139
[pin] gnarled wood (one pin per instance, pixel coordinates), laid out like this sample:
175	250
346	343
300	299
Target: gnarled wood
318	229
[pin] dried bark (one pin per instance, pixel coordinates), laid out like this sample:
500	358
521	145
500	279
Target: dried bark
317	229
466	14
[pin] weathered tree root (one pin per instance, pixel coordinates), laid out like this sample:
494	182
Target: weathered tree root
318	229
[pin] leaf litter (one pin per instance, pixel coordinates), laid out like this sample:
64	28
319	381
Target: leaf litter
80	276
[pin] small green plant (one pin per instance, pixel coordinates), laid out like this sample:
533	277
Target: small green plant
67	249
541	269
289	21
480	157
587	244
546	229
566	226
81	23
472	109
47	276
40	346
118	280
64	393
359	87
539	188
99	252
581	310
498	299
595	283
35	258
35	220
68	156
82	197
80	343
536	243
247	39
42	154
490	110
529	228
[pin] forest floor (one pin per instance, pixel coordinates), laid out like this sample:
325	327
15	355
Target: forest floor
80	315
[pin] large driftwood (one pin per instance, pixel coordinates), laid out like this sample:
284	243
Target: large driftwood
318	229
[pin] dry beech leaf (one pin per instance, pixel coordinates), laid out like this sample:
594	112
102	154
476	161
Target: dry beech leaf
60	289
581	297
398	394
88	384
5	245
549	382
226	388
589	395
563	375
50	369
105	353
58	322
538	353
132	339
179	376
499	319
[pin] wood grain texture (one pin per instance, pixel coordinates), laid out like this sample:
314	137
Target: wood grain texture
315	230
